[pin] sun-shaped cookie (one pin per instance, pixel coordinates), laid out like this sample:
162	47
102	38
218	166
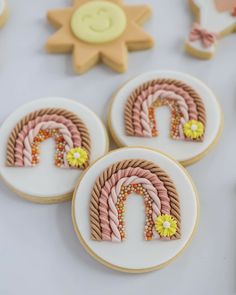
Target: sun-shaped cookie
99	30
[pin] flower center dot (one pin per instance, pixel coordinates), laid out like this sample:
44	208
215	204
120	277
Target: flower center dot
166	224
76	155
194	127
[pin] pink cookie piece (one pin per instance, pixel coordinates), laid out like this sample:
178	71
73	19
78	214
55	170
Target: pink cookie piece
225	5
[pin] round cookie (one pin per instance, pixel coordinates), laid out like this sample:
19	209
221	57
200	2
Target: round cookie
99	31
133	234
214	20
186	130
3	12
43	170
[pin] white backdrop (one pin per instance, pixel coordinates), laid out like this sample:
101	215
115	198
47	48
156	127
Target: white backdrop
39	251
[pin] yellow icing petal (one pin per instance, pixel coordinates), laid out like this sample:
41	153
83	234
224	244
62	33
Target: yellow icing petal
193	129
77	157
166	225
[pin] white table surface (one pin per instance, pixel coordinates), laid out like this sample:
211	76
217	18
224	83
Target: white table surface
39	251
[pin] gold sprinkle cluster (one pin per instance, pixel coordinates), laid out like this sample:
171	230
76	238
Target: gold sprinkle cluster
124	193
60	146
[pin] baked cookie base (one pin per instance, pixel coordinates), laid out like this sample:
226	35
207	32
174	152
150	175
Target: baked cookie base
204	54
46	183
116	121
145	256
118	60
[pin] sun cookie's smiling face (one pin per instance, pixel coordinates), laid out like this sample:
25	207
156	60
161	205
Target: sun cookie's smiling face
98	22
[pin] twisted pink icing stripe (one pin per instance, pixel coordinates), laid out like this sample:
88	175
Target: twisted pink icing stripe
138	105
19	148
111	189
112	201
161	94
27	152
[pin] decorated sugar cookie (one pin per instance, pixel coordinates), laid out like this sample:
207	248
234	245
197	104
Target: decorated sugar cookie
46	145
135	209
214	20
171	112
141	177
3	12
101	30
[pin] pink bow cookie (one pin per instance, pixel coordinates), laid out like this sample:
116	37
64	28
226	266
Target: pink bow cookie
198	33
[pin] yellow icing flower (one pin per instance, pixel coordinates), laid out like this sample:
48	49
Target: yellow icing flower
76	157
166	225
193	129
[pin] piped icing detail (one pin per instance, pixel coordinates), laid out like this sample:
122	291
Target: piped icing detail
77	157
193	129
116	183
184	103
66	128
166	225
98	22
206	37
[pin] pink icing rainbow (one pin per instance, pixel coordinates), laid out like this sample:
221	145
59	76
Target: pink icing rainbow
114	186
185	105
65	127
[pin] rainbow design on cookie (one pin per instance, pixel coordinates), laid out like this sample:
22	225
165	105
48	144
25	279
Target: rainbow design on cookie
188	115
144	178
99	31
214	20
72	140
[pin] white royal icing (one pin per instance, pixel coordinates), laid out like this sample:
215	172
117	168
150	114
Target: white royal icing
211	19
135	253
45	180
199	46
166	224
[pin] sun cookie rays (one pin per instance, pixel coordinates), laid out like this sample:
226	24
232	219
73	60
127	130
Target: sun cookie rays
87	54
